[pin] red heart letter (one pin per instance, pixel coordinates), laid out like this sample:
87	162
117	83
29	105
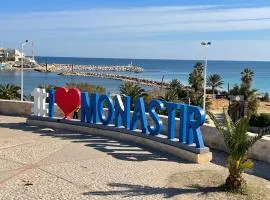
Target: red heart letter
68	100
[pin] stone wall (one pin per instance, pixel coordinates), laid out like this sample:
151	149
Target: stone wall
212	139
259	151
19	108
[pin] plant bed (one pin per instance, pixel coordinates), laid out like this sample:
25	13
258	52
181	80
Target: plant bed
257	129
259	123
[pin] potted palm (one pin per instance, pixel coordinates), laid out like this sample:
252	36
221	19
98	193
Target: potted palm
238	142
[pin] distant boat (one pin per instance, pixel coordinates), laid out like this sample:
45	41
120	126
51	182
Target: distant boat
2	65
130	64
32	60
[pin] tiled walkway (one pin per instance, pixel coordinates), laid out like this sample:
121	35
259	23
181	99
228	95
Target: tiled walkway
39	163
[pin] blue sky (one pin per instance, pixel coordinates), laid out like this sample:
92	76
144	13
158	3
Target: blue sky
169	29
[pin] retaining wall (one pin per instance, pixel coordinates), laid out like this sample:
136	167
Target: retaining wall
21	108
212	139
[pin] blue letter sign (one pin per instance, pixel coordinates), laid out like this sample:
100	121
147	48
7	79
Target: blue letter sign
195	119
101	114
122	111
51	102
152	112
139	114
118	113
171	108
89	108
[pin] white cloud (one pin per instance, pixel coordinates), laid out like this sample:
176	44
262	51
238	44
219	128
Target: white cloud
142	20
99	32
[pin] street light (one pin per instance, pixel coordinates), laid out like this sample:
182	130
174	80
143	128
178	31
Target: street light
22	56
205	45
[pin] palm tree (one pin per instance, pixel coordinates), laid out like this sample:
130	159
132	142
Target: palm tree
175	84
247	78
248	93
179	88
196	78
132	90
214	81
170	96
238	143
9	91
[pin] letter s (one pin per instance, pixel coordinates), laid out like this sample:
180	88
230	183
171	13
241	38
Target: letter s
152	112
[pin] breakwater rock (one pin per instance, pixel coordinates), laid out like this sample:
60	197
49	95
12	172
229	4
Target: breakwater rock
142	81
72	68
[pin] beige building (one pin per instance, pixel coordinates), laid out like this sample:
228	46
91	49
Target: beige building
2	54
10	55
14	55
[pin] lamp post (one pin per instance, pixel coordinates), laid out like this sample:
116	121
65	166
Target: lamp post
22	57
205	45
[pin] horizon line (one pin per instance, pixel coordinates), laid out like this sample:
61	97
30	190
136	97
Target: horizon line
173	59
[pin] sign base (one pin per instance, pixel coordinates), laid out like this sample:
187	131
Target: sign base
159	142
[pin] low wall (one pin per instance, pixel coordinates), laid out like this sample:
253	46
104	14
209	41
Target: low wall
18	108
259	151
159	142
212	138
21	108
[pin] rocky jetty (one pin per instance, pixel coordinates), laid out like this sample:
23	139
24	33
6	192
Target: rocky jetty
142	81
72	68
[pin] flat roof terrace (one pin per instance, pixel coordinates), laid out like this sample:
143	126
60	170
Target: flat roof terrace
42	163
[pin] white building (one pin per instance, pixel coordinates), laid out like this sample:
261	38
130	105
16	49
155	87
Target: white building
2	54
14	55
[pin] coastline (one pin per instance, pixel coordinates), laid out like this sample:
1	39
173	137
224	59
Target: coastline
140	81
71	67
153	70
78	70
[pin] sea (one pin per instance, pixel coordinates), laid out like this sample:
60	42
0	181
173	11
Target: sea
154	69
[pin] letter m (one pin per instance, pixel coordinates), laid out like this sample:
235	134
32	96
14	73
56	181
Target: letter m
89	108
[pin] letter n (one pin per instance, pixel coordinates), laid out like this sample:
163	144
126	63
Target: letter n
122	111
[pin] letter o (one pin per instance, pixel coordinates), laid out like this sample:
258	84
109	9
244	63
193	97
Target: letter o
105	120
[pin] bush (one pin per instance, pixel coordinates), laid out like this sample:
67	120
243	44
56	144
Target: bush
266	97
86	87
262	120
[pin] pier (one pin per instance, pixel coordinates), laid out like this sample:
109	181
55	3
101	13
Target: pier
71	68
142	81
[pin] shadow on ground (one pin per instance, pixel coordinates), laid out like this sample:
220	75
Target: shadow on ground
128	190
127	150
260	169
122	150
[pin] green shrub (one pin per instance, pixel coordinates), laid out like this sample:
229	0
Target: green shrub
87	87
266	97
261	120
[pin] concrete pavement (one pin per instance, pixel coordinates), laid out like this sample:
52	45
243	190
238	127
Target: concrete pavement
41	163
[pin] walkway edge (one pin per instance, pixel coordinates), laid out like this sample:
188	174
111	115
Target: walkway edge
201	158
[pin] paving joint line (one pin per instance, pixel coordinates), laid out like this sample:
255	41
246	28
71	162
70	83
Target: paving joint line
30	166
15	146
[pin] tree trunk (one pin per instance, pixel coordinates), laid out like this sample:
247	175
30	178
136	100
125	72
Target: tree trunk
235	183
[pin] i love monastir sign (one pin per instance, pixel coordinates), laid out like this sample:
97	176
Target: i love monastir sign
116	110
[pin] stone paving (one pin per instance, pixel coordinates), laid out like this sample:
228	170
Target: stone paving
41	163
